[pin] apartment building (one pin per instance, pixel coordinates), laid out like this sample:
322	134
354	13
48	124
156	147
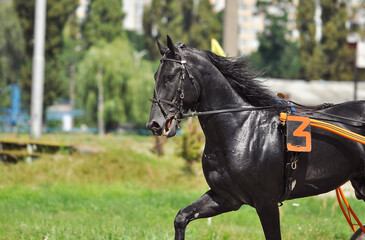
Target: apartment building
251	22
133	10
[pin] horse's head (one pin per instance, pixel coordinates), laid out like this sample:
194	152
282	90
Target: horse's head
175	91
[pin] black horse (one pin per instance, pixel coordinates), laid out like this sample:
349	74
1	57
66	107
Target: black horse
244	157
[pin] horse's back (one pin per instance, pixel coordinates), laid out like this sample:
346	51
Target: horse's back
333	159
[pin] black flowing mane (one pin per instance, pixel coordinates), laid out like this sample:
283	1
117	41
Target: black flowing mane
241	77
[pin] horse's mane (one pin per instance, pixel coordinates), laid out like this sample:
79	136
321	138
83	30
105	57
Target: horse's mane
241	77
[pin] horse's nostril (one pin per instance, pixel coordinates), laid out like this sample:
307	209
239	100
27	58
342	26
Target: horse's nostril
153	125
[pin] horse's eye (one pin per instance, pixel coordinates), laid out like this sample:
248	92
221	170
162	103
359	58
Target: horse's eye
169	77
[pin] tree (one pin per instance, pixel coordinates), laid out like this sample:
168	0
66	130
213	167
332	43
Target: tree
313	65
69	58
193	22
192	143
334	41
328	58
126	82
278	56
156	20
308	51
58	12
205	26
103	21
12	53
11	45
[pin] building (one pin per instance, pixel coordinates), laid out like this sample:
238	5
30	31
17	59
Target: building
82	9
133	19
218	5
251	22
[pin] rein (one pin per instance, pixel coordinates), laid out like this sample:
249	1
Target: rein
241	109
310	111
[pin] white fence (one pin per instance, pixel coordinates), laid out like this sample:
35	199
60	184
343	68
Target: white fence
315	92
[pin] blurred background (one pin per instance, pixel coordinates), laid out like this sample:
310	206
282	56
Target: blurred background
103	52
93	171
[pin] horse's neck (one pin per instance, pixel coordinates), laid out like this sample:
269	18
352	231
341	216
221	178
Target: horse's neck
217	94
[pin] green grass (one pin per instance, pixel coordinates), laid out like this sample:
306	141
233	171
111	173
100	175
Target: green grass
87	212
126	192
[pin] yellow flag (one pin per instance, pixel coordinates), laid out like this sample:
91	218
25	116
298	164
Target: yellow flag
216	48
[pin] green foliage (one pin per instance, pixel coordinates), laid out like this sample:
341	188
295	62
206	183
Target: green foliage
137	41
69	58
192	143
54	124
313	66
156	20
334	41
56	18
12	53
309	54
330	58
193	22
127	82
104	21
205	26
12	45
276	55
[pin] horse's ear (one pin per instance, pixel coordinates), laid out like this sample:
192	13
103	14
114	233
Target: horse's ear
171	46
161	47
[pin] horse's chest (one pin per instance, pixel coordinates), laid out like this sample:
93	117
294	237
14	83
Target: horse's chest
222	178
213	160
217	170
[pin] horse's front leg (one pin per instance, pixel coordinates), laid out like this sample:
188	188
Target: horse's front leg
268	212
208	205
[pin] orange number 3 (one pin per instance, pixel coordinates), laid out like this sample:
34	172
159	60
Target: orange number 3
303	132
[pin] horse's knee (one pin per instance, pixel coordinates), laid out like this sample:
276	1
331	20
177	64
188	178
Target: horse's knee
181	220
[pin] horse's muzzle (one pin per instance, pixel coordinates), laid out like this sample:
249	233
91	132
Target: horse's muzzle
155	128
167	129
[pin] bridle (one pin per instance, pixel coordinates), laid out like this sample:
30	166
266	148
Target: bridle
178	101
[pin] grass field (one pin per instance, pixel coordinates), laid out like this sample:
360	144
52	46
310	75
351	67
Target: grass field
126	192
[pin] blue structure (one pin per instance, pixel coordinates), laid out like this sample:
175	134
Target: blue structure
15	104
13	116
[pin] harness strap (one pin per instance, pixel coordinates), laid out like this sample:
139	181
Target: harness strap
338	130
289	174
290	165
191	77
